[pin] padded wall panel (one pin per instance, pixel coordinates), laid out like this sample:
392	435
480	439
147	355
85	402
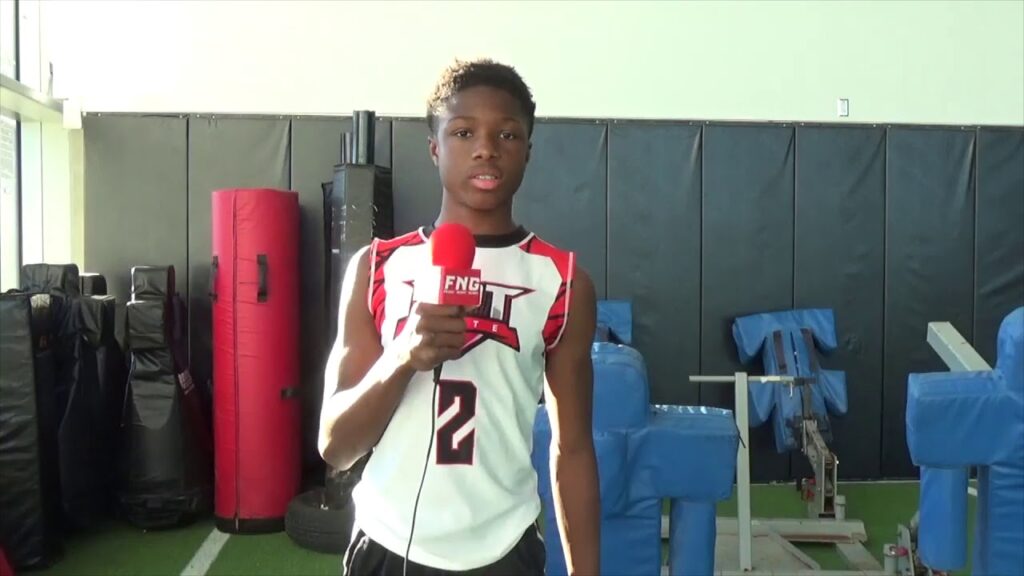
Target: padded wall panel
136	209
999	247
929	264
839	264
563	197
654	173
224	153
315	149
747	256
382	143
417	186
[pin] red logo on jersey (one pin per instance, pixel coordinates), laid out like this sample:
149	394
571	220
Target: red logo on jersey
492	320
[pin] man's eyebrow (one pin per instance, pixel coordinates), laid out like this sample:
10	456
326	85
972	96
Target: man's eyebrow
473	118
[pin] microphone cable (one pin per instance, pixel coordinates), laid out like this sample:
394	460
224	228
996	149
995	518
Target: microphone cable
426	464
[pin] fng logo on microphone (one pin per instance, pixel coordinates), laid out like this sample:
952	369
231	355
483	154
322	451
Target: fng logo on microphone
461	284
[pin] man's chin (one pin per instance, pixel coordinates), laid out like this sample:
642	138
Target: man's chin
486	201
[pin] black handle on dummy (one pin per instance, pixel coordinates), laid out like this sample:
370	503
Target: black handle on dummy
261	263
214	265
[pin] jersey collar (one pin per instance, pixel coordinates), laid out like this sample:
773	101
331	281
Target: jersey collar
490	240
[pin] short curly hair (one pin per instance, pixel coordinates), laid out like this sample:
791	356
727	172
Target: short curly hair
485	72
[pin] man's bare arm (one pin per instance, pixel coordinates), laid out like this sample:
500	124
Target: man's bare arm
576	491
363	382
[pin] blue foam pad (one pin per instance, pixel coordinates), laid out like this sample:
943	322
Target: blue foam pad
630	543
684	452
617	317
957	419
779	338
750	332
832	384
943	544
999	532
621	392
691	538
609	448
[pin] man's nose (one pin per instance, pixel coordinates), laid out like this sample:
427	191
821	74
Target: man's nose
486	147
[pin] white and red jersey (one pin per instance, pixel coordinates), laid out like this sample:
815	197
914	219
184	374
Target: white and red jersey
480	490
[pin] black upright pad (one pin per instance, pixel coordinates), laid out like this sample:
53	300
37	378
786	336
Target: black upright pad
27	528
152	282
103	363
147	325
47	277
93	284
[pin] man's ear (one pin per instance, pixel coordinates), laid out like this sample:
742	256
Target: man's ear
432	145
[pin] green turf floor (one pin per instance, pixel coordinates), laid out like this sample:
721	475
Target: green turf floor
117	549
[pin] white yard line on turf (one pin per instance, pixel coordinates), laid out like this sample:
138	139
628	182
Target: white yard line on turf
206	554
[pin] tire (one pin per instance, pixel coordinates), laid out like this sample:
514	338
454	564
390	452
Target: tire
314	526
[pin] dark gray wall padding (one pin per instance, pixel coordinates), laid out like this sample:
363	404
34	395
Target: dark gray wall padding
654	175
563	197
999	249
839	259
224	153
136	202
929	264
417	187
747	256
694	222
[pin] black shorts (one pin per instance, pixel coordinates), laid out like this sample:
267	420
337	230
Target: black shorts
365	557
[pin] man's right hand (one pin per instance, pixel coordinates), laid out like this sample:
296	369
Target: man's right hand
433	334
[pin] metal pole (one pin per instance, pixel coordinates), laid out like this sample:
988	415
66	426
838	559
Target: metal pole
740	382
743	470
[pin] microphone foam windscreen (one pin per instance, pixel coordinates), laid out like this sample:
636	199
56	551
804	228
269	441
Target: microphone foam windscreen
452	246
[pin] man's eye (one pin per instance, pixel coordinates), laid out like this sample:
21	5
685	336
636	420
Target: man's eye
508	135
461	133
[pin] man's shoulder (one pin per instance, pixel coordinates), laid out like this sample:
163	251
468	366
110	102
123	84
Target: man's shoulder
563	259
385	245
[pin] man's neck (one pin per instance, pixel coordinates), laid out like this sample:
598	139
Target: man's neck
495	223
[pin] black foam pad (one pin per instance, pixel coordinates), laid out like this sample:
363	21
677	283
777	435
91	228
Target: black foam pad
93	284
152	282
47	277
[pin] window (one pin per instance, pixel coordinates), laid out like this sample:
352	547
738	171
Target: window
10	205
9	38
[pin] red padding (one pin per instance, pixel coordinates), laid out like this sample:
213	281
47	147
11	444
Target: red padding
255	291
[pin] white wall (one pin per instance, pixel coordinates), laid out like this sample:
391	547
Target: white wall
907	62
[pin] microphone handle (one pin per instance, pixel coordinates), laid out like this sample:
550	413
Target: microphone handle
437	373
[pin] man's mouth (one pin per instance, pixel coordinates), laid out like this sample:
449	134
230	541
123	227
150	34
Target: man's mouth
486	181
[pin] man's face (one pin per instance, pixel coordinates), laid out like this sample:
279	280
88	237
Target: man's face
481	148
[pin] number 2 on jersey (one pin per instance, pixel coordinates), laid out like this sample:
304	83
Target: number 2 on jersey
456	436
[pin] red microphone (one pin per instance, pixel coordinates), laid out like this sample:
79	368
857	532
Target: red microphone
451	280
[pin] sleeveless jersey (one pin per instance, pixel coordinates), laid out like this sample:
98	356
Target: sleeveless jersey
480	490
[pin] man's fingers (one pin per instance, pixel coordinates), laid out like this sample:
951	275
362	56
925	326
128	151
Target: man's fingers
448	341
425	309
441	325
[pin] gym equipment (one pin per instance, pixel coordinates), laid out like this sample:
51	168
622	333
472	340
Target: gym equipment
92	284
358	206
167	445
102	371
788	342
971	416
86	412
28	492
634	442
614	322
255	279
321	519
797	395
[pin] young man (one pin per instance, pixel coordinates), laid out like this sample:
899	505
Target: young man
477	506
